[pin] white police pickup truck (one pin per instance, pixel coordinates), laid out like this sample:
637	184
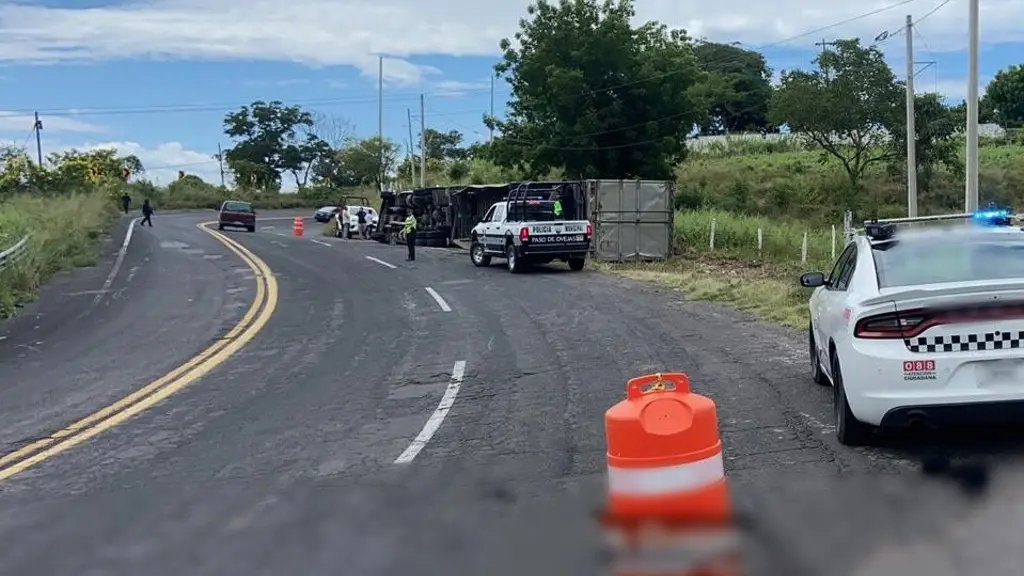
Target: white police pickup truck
526	231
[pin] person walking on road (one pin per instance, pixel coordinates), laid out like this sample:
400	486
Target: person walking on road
409	229
147	213
126	202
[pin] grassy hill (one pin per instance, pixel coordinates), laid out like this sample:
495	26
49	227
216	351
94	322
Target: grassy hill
791	194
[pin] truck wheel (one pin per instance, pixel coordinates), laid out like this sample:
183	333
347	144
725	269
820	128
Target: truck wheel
512	259
476	254
577	264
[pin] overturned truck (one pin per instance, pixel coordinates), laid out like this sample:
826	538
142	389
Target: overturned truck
632	219
430	206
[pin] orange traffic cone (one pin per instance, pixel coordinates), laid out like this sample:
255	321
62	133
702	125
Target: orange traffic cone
668	503
297	227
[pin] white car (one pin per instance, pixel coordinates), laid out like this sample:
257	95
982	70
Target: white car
353	217
921	328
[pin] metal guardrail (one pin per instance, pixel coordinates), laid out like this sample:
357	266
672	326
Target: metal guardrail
12	254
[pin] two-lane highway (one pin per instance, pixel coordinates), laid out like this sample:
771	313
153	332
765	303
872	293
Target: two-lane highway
393	417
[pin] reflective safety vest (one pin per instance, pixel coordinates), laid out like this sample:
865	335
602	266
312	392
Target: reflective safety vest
410	224
558	208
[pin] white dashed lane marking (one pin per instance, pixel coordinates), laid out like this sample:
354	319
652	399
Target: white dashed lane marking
437	418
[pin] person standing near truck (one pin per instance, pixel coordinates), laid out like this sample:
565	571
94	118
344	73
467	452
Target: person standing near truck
361	219
409	229
126	202
343	222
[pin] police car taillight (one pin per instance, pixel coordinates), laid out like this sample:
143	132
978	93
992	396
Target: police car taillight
590	231
524	234
891	325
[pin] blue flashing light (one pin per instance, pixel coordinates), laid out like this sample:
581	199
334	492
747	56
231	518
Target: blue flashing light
993	217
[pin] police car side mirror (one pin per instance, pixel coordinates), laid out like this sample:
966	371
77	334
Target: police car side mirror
812	280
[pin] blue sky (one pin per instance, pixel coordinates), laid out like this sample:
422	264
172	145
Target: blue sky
155	77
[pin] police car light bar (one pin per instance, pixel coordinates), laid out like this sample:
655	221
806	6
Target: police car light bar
917	219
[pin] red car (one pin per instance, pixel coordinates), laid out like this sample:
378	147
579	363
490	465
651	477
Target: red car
239	214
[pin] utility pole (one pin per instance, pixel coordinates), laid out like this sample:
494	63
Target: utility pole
911	128
824	44
220	160
971	193
492	108
380	123
38	127
412	150
423	142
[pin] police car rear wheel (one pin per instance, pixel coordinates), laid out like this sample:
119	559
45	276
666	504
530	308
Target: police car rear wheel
512	259
476	254
849	430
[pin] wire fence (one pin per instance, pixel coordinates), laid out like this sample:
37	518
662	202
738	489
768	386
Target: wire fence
12	254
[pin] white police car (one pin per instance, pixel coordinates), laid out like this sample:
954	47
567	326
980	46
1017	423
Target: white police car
922	327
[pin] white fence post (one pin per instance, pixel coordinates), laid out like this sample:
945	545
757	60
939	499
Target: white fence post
803	250
833	241
760	240
8	256
711	243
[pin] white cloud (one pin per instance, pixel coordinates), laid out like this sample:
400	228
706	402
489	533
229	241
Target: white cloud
453	88
15	122
353	32
279	83
954	90
163	162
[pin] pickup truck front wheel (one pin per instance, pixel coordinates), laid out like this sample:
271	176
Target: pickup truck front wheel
476	254
512	259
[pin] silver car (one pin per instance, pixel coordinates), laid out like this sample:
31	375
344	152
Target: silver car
324	214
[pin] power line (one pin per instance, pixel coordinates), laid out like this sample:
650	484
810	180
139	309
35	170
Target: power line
408	97
220	107
933	11
195	108
789	40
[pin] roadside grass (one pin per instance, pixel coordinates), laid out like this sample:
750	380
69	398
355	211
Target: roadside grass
330	228
64	232
763	283
757	290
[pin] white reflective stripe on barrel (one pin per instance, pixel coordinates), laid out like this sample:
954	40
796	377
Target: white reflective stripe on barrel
666	480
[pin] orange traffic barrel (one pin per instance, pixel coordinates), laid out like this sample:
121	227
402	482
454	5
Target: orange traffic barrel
665	457
297	227
654	550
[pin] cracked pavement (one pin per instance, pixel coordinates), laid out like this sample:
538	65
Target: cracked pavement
281	460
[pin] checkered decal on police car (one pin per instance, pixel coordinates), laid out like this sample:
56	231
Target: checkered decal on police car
966	342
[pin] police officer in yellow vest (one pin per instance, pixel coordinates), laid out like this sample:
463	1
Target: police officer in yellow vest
557	208
409	229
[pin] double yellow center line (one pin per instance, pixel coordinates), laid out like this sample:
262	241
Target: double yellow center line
148	396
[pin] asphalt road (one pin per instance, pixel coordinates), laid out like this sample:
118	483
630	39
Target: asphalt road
297	454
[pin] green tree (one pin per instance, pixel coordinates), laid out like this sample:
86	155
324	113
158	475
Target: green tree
271	139
594	95
369	161
847	107
737	90
1004	96
936	126
444	146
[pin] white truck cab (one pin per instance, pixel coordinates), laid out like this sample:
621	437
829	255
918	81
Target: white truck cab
525	230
